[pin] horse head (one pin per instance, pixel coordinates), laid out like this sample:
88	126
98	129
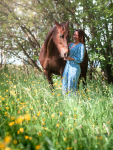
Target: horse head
60	37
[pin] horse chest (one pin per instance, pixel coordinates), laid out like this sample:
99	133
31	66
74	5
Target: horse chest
54	63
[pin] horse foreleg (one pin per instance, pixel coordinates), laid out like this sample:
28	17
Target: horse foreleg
61	71
48	75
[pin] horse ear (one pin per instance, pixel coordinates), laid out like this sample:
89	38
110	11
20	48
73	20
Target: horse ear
57	24
67	24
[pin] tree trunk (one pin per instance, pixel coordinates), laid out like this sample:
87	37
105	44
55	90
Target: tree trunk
109	73
91	70
1	59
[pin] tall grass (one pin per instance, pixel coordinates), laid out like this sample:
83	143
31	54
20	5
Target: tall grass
34	117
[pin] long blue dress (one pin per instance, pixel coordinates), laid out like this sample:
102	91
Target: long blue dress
72	69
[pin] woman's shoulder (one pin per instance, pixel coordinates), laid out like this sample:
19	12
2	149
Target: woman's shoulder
81	46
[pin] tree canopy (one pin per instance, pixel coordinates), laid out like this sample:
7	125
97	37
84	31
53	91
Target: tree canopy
25	24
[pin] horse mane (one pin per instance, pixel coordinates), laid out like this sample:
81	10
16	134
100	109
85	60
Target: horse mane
48	37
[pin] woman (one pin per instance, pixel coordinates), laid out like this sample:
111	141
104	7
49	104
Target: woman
72	69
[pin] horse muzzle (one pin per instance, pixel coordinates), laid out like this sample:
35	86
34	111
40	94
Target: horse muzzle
64	52
65	55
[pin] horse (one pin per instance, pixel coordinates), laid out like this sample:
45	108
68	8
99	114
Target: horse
54	49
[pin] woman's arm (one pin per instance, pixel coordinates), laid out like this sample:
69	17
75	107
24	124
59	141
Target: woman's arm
69	58
78	58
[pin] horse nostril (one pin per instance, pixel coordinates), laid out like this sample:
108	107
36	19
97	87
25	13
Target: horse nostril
65	54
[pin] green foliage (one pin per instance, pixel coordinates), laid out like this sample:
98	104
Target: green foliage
34	117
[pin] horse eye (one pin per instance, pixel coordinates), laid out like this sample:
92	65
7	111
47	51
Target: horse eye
61	36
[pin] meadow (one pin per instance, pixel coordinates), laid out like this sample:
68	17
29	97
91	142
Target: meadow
32	117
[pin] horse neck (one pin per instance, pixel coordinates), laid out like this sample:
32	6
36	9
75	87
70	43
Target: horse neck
50	47
47	40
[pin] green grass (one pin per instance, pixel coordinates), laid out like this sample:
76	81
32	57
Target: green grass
33	117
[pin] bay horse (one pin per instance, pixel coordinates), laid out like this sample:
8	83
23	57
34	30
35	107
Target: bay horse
54	49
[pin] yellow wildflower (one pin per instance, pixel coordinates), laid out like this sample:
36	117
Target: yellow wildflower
38	114
43	123
19	119
37	147
21	130
12	118
11	123
7	148
68	148
14	141
27	117
52	115
61	113
43	119
7	139
7	108
2	145
75	117
57	125
30	138
55	83
18	111
72	129
26	137
40	133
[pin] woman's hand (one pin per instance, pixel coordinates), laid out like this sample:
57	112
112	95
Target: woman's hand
68	58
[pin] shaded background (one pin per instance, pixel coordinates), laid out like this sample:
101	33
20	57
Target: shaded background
24	25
